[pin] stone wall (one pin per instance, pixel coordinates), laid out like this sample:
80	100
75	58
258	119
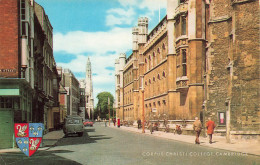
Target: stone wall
245	85
233	67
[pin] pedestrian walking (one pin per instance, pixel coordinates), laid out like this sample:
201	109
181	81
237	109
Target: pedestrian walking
197	126
114	121
165	122
210	125
150	126
139	123
105	123
167	128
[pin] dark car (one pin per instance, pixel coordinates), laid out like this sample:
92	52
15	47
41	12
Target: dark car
88	123
73	125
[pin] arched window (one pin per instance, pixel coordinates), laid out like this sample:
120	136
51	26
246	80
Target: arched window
149	62
150	81
158	76
154	59
159	57
153	78
147	66
163	47
163	74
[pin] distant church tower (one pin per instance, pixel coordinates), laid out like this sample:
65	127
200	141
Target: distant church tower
89	91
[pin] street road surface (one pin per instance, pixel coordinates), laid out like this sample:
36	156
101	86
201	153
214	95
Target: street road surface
102	145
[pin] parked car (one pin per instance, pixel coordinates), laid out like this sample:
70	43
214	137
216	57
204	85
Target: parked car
73	125
88	123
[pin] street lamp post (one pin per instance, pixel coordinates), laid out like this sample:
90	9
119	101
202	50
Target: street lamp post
143	111
108	111
99	112
113	113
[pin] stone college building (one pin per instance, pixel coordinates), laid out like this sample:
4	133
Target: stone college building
201	60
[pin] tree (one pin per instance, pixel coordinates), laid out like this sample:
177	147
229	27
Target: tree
103	104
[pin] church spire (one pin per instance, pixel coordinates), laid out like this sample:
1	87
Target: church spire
89	89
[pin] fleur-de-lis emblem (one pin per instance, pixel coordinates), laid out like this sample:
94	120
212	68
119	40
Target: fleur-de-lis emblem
31	129
20	141
35	133
24	149
39	128
25	142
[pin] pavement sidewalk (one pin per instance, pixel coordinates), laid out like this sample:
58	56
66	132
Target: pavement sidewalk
219	142
48	140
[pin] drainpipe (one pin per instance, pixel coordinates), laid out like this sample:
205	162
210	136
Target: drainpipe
228	121
24	52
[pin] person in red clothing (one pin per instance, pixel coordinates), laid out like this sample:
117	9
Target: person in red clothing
210	129
118	123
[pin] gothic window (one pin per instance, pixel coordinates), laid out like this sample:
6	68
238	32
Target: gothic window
159	54
154	59
164	102
163	74
183	26
163	47
149	62
153	78
147	65
184	60
158	76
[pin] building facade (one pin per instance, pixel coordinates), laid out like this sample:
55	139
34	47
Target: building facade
26	94
82	100
47	78
72	88
63	95
194	63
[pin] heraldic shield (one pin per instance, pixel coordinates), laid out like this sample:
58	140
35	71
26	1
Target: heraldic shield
28	136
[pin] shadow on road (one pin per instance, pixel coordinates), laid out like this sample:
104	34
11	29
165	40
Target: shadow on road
40	158
86	138
90	130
